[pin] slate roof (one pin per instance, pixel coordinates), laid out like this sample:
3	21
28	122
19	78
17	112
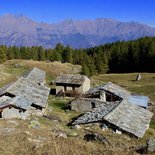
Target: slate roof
5	101
18	101
127	114
4	88
70	79
120	92
27	91
112	88
37	75
130	118
139	100
21	102
36	93
96	114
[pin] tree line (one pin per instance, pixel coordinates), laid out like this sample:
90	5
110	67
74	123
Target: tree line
118	57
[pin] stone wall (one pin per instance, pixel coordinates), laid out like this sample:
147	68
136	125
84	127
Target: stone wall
14	113
82	89
83	105
59	88
9	113
86	85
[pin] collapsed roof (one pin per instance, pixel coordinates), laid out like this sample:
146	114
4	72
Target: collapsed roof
127	113
70	79
120	92
109	87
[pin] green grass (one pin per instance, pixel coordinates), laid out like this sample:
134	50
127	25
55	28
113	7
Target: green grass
146	86
57	103
49	79
12	74
58	106
16	71
152	124
144	90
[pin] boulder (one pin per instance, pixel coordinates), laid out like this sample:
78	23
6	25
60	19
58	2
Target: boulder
118	132
77	127
17	66
138	77
62	135
96	137
150	145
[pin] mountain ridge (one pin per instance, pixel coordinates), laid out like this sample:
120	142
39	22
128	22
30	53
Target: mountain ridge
20	30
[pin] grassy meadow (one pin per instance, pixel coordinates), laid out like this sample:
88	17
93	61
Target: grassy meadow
23	138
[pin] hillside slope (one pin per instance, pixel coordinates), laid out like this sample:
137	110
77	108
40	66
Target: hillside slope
39	135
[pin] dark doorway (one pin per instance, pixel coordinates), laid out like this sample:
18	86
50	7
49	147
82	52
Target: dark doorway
92	105
53	91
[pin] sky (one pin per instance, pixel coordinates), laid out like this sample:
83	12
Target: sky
50	11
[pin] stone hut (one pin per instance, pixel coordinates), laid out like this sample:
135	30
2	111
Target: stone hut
114	106
108	93
122	116
72	85
25	97
111	92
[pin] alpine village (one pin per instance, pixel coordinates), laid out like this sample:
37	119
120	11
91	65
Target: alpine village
76	87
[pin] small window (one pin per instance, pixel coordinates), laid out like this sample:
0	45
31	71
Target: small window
65	88
92	105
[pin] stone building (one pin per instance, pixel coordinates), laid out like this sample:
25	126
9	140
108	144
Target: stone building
84	104
109	92
72	85
122	116
27	96
114	106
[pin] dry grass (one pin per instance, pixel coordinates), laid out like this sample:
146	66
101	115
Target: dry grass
4	76
146	86
26	141
53	68
22	140
9	74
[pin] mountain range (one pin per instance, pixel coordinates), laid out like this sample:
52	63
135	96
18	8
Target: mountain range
21	31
